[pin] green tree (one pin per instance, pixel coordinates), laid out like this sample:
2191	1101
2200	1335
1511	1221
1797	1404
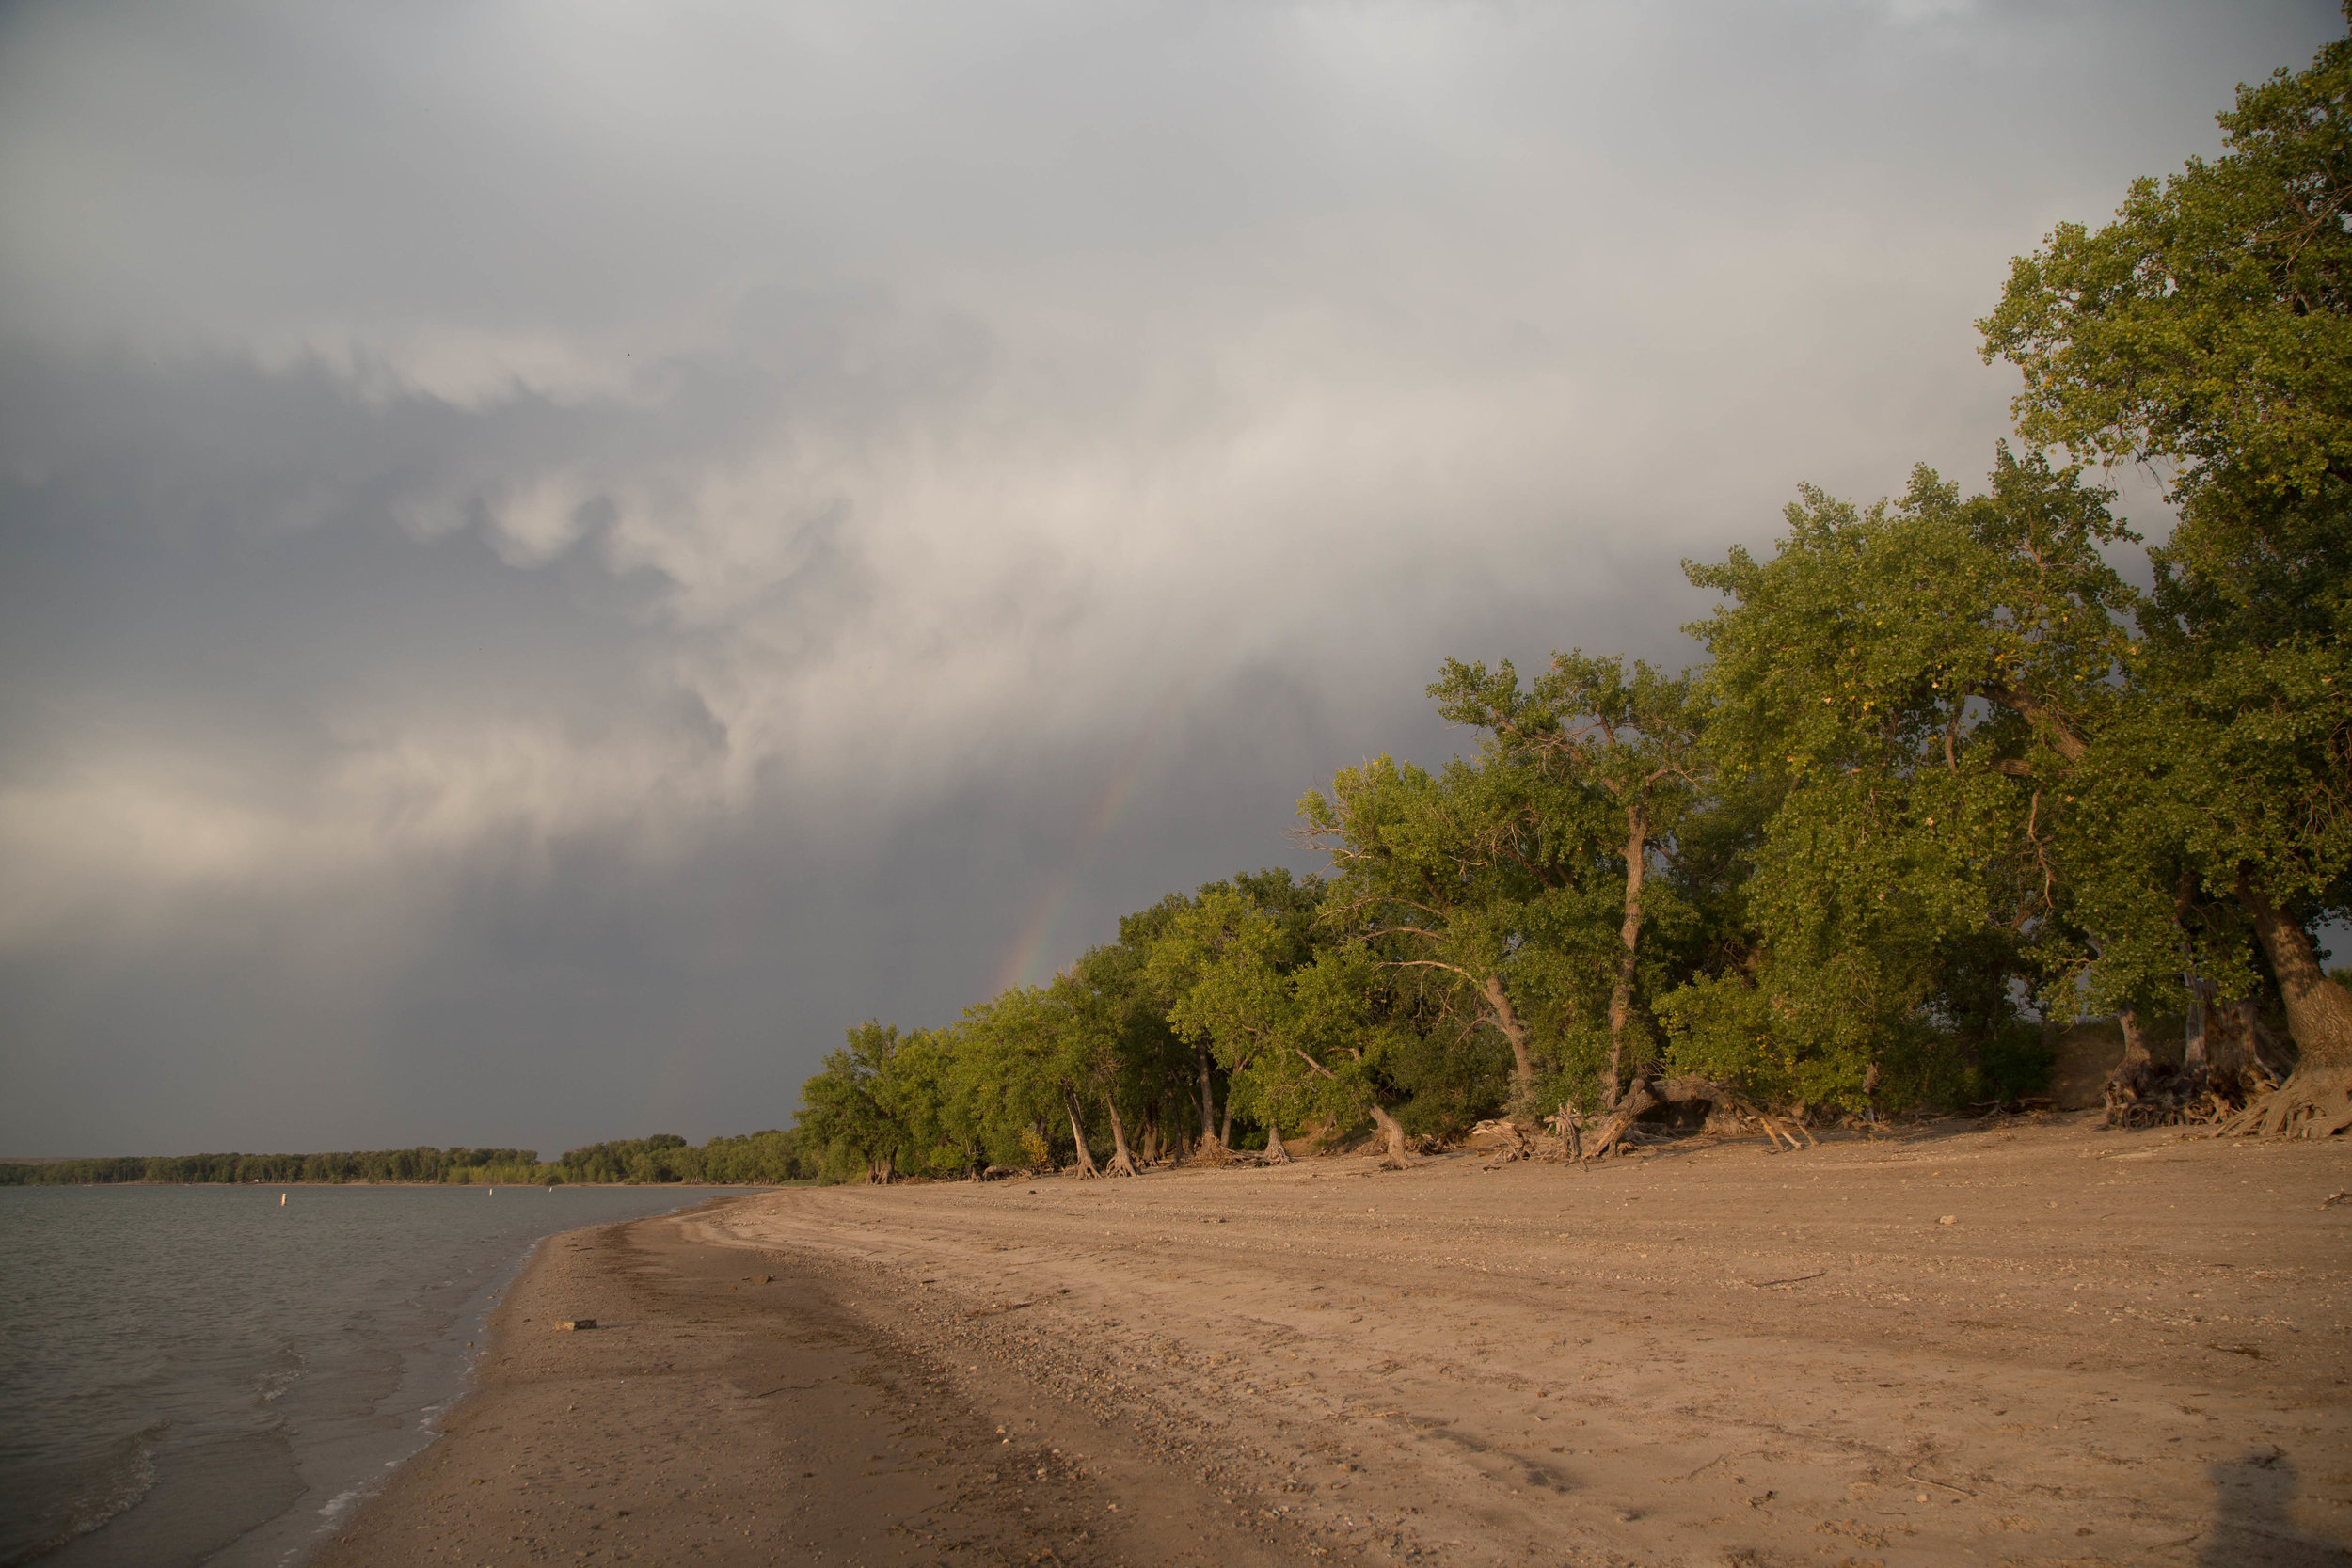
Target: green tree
1636	735
1004	1089
1909	686
1223	961
2205	330
1346	1030
846	1107
1486	883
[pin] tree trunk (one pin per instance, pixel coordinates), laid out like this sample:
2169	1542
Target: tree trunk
1225	1138
1122	1160
2230	1050
1629	938
1208	1100
2047	721
1393	1130
1636	1100
1566	1122
1275	1153
2315	1102
2135	1072
1078	1134
2196	1048
2263	1047
1523	1061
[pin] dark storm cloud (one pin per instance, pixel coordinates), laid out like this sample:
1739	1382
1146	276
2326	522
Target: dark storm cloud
551	558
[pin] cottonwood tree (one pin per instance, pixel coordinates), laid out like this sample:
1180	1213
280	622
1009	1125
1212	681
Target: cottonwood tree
1116	1042
2208	331
847	1106
1911	684
1183	1066
1063	1038
1225	961
1345	1031
1479	882
1635	735
1007	1077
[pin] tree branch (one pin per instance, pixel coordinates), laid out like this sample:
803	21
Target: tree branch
2040	714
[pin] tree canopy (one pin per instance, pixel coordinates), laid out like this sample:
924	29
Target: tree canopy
1942	782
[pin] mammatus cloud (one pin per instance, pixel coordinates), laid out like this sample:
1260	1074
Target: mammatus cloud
577	536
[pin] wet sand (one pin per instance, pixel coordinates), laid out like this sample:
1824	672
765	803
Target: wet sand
2123	1348
732	1408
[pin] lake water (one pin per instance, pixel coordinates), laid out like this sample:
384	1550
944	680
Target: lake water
202	1375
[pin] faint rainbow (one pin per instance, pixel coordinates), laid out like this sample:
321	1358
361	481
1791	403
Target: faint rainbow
1053	900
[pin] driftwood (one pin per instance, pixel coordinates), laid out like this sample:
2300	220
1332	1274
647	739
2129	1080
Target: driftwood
1646	1094
1569	1130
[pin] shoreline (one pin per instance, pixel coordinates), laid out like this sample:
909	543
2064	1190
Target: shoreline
485	1321
220	1380
747	1187
2123	1347
662	1434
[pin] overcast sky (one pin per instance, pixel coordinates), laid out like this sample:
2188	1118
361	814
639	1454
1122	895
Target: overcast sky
555	556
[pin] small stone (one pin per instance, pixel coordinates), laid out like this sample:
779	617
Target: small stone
1949	1219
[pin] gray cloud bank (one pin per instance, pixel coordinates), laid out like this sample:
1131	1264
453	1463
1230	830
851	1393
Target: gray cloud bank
553	556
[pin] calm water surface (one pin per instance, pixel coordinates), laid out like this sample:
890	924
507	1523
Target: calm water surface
198	1374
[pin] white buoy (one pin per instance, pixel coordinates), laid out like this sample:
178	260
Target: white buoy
494	1192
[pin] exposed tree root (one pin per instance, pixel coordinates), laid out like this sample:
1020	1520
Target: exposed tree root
1648	1094
2315	1102
2154	1097
1520	1148
1399	1155
1569	1130
1087	1170
1122	1161
2307	1105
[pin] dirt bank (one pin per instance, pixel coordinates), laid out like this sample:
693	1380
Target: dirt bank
2123	1348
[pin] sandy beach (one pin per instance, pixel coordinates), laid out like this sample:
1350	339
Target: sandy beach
2037	1343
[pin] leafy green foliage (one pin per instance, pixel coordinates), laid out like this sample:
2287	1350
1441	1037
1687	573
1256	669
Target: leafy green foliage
1944	780
2207	326
1909	684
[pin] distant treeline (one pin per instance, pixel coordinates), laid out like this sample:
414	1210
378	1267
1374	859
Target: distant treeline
757	1159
